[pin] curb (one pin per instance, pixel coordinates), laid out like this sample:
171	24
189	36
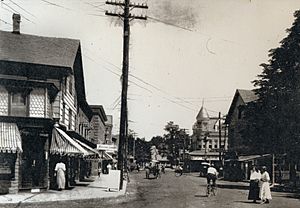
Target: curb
122	198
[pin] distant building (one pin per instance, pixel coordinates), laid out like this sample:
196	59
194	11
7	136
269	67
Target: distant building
235	117
206	145
99	118
108	129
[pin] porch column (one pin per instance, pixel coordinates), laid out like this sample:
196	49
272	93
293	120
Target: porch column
14	184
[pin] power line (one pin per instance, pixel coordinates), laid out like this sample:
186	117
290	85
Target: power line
157	88
22	8
96	6
187	29
5	22
12	10
57	5
170	24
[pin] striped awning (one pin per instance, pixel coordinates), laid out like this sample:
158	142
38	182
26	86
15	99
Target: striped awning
90	150
63	144
107	156
10	138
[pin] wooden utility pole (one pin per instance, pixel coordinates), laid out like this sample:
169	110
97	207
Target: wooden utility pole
184	145
220	137
126	16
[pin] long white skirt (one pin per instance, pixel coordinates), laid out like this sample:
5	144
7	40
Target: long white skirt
61	179
265	191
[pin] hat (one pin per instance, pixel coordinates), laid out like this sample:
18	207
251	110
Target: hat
264	168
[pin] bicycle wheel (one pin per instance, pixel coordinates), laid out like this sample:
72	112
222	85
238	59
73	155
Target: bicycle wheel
208	191
214	190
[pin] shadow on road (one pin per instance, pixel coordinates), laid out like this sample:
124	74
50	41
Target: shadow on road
151	178
201	195
228	186
291	195
246	202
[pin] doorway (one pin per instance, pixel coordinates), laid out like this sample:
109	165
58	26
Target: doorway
33	162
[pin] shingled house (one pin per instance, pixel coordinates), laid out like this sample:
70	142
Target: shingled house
41	88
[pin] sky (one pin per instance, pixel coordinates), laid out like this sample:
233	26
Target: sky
187	54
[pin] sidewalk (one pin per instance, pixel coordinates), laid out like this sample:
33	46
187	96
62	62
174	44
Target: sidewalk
244	185
83	190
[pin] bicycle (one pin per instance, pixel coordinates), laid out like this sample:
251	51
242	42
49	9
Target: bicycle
210	189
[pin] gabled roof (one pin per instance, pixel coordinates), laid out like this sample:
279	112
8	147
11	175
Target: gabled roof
23	54
23	48
246	96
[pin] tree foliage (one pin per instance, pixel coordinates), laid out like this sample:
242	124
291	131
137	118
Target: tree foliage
273	121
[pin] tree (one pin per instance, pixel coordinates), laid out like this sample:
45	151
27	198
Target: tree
272	123
138	147
176	140
142	151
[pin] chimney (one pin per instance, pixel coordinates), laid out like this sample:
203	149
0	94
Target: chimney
16	23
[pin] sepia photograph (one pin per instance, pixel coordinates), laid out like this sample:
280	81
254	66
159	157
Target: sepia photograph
149	103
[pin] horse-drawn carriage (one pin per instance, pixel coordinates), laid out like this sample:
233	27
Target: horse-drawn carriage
152	169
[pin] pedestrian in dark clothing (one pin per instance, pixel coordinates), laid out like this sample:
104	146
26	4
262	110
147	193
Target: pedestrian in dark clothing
254	189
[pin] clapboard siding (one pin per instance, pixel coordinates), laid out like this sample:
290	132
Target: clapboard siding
68	103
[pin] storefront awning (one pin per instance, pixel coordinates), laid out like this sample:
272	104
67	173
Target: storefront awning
92	154
105	155
10	138
63	144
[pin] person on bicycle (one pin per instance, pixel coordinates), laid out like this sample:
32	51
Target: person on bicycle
212	175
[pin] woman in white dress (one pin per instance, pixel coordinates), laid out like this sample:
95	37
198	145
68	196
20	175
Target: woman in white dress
60	169
265	192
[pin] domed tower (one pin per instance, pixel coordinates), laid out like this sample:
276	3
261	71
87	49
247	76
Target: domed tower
200	127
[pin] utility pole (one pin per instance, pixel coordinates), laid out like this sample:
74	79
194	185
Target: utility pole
133	150
126	16
184	145
220	137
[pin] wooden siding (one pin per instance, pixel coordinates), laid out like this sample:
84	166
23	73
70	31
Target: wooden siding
67	102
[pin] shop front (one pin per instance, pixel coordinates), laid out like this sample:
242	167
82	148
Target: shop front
10	150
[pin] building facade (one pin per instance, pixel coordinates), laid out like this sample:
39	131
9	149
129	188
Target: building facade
41	79
234	119
208	141
99	119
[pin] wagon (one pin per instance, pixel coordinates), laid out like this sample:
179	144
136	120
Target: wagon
152	170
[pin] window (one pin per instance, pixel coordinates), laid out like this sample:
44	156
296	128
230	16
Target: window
18	104
240	112
216	146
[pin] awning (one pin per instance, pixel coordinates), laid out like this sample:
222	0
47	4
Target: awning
91	152
247	158
106	156
10	138
252	157
63	144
